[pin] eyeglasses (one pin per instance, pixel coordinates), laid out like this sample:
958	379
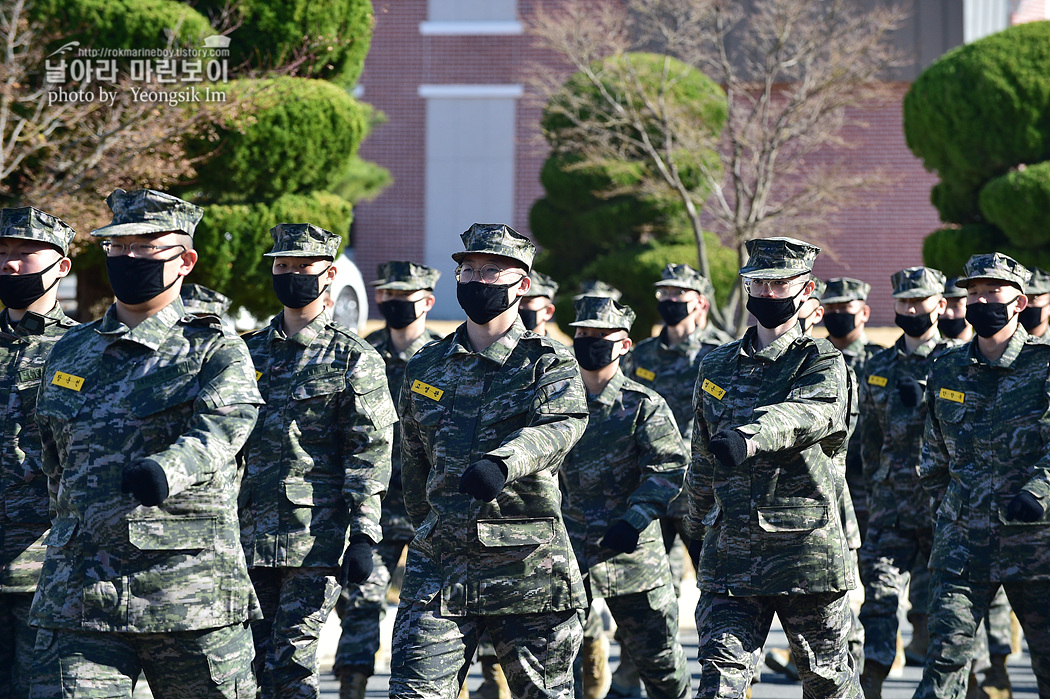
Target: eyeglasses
489	274
670	293
778	288
115	249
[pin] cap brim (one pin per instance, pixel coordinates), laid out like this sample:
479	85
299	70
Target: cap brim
916	294
840	299
458	257
965	282
52	243
766	273
137	228
396	286
298	253
596	324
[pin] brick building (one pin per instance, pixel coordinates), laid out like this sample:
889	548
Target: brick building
463	145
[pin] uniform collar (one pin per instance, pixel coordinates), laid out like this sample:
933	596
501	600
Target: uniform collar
150	333
497	352
305	336
387	349
856	347
689	342
922	350
1013	348
611	390
774	350
55	315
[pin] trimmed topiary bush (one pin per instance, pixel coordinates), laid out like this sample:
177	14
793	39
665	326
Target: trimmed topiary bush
1018	203
128	24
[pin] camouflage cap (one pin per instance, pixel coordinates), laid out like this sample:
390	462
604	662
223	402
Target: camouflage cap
951	291
497	239
602	312
200	299
542	285
1039	283
995	266
818	290
596	287
146	211
401	275
685	277
303	240
917	283
844	289
29	223
778	258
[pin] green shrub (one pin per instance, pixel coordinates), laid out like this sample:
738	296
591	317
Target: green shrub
1019	204
128	24
948	249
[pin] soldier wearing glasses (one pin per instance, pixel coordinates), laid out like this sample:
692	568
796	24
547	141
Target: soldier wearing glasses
141	415
487	415
763	488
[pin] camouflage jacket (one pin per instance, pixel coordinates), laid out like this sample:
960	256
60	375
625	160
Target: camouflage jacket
520	402
988	438
671	372
318	460
181	391
628	465
857	354
772	526
396	525
24	515
892	437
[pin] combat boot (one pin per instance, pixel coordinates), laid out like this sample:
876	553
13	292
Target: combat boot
996	683
493	683
779	660
352	685
872	678
915	651
625	681
596	676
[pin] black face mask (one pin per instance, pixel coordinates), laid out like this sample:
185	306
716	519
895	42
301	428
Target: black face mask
530	317
840	324
483	302
771	313
673	312
19	291
1030	317
593	353
987	318
399	313
136	280
297	290
952	327
914	326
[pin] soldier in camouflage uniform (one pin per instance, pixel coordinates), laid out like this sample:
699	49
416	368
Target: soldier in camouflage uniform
33	249
764	486
617	482
316	464
1035	318
488	414
900	523
404	294
596	287
141	416
537	308
952	323
985	466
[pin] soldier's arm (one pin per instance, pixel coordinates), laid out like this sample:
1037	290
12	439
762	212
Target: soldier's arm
415	465
814	410
699	480
1039	484
871	435
50	464
224	414
933	461
366	421
556	421
662	461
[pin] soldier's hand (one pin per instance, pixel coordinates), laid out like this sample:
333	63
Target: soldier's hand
357	560
910	391
621	537
729	447
146	481
1025	507
483	480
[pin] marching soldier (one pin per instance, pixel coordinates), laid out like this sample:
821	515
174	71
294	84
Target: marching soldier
1035	318
537	308
952	323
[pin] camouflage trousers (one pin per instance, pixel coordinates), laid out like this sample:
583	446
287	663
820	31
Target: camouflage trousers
957	606
16	645
993	634
672	528
886	560
361	609
432	653
733	629
207	664
295	604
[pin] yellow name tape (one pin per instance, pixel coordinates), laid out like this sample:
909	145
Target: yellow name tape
714	390
258	375
877	380
69	381
645	374
426	390
954	396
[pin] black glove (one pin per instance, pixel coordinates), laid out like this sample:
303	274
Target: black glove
1025	507
483	480
357	560
146	481
910	391
621	537
729	447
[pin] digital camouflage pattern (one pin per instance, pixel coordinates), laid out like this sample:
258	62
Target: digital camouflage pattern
401	275
778	258
181	391
24	513
1038	284
647	631
496	239
318	461
917	283
685	277
995	266
951	291
602	312
303	240
147	211
772	527
30	223
985	441
597	287
542	285
200	300
845	289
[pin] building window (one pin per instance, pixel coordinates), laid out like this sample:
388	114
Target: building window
471	17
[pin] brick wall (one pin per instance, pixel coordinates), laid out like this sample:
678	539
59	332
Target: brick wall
1029	11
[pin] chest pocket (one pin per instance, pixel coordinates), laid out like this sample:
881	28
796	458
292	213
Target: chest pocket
60	402
164	389
314	404
509	413
954	423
